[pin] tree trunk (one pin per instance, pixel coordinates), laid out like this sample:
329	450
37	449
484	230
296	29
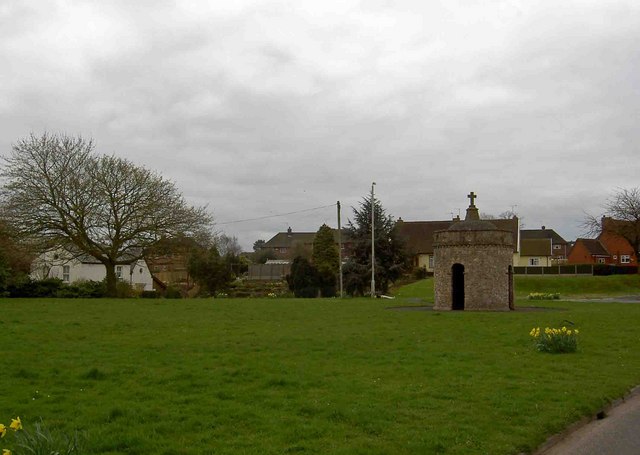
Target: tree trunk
112	281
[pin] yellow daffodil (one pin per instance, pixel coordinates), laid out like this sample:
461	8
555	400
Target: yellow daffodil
6	452
576	331
16	424
3	430
568	332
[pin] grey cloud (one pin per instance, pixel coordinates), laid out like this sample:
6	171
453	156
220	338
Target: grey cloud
262	109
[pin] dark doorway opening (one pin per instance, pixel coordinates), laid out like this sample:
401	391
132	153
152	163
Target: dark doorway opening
457	287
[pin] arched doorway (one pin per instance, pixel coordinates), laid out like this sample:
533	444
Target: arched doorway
457	287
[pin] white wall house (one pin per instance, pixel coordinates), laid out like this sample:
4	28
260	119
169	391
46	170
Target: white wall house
63	265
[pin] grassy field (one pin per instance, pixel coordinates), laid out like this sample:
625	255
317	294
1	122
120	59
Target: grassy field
307	376
579	286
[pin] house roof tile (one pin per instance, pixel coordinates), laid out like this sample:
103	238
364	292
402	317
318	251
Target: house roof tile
535	247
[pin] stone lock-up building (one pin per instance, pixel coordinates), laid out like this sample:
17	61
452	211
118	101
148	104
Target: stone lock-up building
473	267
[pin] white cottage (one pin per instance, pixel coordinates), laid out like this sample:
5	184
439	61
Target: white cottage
69	268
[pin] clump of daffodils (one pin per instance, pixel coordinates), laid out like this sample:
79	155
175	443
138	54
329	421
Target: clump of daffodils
15	425
555	340
39	440
544	296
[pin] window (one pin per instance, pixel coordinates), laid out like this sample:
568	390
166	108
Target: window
65	273
119	272
557	247
431	262
625	259
534	261
601	261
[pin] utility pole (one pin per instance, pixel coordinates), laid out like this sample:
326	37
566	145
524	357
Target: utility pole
339	249
373	250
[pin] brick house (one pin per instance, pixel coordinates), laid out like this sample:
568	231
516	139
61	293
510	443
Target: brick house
621	251
169	263
608	248
286	245
588	251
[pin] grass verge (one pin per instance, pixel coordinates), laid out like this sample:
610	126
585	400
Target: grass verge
306	376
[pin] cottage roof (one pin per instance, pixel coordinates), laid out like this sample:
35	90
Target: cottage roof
73	251
286	240
289	238
418	235
543	233
535	247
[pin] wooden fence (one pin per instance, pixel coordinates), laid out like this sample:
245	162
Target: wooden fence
576	269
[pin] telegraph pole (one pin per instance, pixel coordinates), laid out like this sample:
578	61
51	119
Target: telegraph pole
373	250
339	249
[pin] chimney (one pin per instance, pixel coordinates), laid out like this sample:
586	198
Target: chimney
289	232
543	228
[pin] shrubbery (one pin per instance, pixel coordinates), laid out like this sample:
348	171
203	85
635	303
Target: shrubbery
172	293
420	273
55	287
83	289
612	269
303	280
27	287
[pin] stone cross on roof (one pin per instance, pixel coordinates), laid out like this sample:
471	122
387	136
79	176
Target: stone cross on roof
472	196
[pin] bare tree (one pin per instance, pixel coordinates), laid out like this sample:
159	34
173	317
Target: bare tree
506	215
228	245
59	193
621	217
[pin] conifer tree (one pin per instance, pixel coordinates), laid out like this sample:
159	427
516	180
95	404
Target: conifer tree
325	260
390	257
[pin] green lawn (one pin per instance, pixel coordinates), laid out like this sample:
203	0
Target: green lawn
307	376
579	286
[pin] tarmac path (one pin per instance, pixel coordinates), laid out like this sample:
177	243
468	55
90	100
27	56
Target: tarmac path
618	433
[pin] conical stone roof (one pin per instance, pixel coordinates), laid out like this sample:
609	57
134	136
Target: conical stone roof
472	222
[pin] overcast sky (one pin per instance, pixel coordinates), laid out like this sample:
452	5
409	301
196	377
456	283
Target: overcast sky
261	108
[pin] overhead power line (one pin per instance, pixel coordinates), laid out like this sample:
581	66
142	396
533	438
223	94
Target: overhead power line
275	216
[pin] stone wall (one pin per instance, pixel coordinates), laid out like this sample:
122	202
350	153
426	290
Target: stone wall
486	256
